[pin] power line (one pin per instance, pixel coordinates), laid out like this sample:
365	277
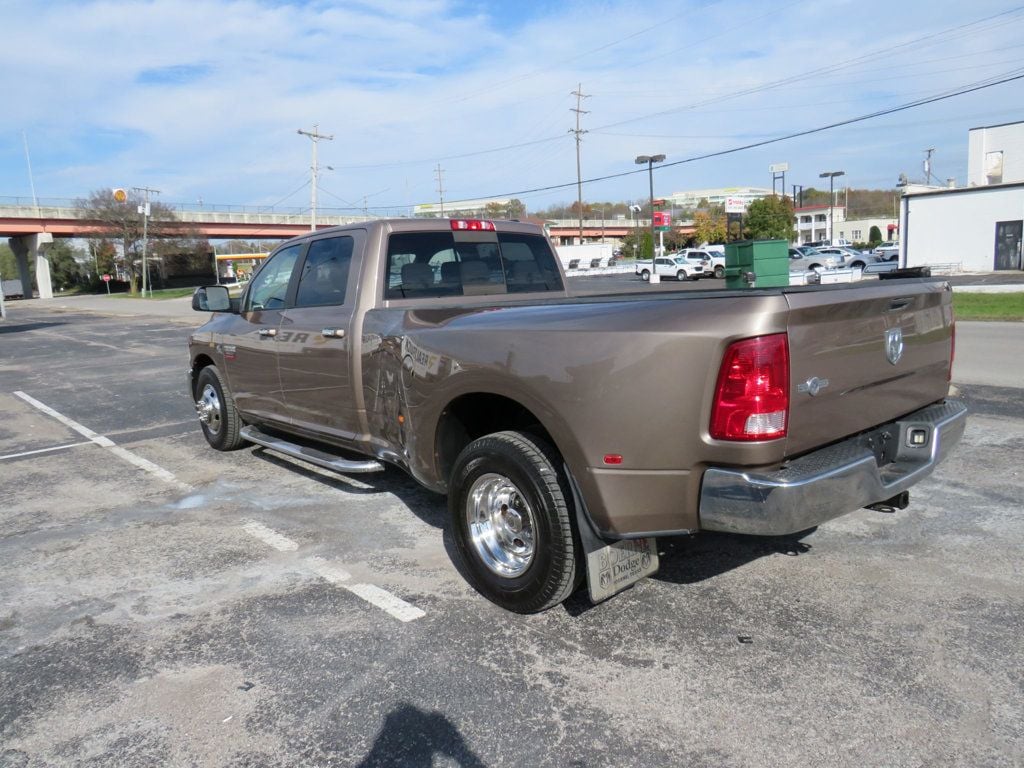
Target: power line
770	85
870	116
831	68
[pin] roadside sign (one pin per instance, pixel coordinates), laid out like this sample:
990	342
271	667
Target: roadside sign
662	220
735	205
106	278
120	195
778	167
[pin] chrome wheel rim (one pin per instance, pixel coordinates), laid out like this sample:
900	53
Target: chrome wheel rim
501	525
208	409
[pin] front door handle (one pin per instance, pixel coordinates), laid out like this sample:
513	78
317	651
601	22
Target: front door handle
333	333
268	331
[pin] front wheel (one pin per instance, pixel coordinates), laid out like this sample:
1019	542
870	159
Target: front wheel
512	520
681	275
216	409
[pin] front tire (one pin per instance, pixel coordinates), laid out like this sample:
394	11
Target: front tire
218	415
511	514
681	275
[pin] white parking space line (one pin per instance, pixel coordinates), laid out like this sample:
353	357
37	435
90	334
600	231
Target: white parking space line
338	576
332	573
44	450
387	602
105	442
269	536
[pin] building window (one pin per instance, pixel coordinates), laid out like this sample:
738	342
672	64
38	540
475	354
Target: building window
856	235
819	217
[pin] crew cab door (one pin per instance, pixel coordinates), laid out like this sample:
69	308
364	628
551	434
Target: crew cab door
250	346
314	342
665	267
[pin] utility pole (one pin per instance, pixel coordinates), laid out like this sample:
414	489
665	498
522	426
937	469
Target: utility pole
440	190
144	210
315	135
578	132
928	165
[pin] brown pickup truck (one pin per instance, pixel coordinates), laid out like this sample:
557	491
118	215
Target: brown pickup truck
569	431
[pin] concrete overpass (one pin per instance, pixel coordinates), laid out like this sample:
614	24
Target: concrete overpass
30	228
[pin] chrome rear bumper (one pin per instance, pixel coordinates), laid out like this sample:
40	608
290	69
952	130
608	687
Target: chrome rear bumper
835	480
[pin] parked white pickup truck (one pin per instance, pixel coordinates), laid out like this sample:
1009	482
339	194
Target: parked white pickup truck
679	268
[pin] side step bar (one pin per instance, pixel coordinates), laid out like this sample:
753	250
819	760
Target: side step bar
311	455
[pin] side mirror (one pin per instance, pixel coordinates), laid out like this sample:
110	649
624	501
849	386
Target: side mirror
211	298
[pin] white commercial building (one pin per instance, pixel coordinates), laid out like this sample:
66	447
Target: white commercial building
811	222
859	230
459	207
987	221
978	228
995	154
717	196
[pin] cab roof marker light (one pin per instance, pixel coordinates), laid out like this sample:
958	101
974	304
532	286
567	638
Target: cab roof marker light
472	225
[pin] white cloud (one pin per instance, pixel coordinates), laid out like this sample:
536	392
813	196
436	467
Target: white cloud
204	99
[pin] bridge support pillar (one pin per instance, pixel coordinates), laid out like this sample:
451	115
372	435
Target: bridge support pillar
33	246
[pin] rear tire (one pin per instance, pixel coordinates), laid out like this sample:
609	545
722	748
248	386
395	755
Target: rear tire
719	272
218	415
645	275
512	520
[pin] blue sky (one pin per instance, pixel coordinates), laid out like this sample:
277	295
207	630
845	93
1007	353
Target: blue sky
203	99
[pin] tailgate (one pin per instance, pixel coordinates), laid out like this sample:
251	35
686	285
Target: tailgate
846	338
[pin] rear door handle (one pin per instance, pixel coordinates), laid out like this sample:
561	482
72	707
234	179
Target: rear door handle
268	331
333	333
898	304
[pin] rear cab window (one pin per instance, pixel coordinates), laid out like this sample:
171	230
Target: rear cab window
440	264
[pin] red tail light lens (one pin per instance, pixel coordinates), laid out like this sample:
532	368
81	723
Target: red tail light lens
472	225
752	394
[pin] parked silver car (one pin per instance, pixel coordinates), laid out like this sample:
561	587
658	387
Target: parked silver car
851	257
804	259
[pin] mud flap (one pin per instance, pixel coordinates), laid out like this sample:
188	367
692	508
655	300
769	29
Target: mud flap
612	565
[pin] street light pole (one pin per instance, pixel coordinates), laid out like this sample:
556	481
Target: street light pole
649	161
831	176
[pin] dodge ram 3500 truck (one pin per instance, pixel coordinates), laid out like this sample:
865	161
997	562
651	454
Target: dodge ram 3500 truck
569	431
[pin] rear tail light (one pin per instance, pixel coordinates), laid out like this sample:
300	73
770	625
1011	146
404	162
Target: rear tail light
752	393
472	225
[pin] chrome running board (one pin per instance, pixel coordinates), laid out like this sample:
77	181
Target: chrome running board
310	455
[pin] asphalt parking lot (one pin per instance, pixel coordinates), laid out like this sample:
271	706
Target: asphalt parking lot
165	604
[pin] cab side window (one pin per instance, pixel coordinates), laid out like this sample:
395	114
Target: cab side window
269	289
324	275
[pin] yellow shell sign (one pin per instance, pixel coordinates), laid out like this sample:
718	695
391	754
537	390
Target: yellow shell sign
120	195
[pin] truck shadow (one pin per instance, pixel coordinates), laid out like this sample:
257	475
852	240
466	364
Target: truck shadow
428	506
692	559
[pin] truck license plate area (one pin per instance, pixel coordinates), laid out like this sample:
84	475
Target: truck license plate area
613	568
